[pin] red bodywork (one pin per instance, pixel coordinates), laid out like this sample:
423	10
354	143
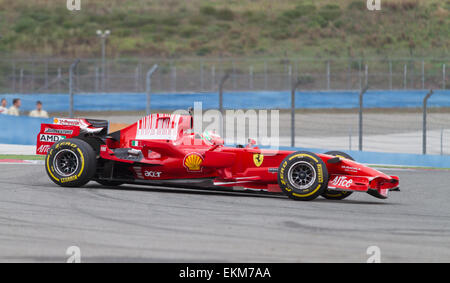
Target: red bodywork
163	147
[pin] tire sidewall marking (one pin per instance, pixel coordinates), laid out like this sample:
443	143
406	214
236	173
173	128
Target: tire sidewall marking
50	170
76	150
82	162
308	192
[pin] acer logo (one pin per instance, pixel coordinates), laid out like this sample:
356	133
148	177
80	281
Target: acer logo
152	174
342	181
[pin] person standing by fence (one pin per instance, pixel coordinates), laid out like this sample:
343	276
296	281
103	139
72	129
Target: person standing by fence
39	112
3	109
14	109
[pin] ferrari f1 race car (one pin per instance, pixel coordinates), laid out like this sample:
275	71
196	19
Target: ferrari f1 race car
164	147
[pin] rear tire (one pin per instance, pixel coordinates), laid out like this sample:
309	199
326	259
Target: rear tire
334	194
302	176
71	163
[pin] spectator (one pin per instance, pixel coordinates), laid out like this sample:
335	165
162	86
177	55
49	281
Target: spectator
39	112
3	109
14	109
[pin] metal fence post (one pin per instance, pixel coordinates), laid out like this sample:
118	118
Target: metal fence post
349	74
148	87
265	76
221	85
59	76
213	77
390	74
136	79
360	73
328	75
361	97
405	75
234	75
14	75
444	83
201	76
97	79
289	75
366	74
71	70
350	134
442	141
174	79
32	75
424	126
21	80
294	87
423	74
251	77
46	75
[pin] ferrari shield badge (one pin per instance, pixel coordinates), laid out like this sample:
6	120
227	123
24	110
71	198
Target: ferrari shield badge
258	159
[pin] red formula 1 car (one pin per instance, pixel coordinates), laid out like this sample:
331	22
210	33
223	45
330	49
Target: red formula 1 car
163	147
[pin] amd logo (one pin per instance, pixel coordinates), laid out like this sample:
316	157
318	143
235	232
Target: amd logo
50	138
374	5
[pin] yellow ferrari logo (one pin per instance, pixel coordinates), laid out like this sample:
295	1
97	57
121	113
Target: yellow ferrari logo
258	159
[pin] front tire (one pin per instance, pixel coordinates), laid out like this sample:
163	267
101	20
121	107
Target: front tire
302	176
334	194
71	163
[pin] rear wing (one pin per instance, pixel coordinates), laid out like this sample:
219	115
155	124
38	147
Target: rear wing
63	128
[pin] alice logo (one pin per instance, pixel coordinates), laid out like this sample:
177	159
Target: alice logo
373	5
74	5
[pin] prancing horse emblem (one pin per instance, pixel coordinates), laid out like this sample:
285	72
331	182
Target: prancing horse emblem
258	159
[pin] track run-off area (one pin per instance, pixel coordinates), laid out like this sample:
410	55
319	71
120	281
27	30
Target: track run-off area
39	221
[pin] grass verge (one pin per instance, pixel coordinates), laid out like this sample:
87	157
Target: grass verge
22	157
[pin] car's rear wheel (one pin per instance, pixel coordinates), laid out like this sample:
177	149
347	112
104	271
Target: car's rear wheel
71	163
334	194
302	176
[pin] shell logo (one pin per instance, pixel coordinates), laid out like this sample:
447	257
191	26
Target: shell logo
193	162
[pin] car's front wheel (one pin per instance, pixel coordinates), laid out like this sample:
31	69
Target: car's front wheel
302	176
71	163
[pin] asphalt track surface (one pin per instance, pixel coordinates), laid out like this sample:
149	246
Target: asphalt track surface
39	221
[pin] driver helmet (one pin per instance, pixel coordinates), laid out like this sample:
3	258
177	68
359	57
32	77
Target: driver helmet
211	137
